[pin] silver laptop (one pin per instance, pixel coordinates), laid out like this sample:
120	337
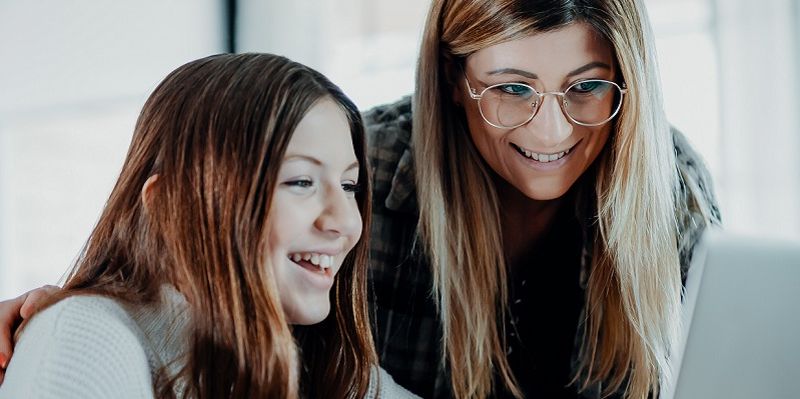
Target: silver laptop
742	321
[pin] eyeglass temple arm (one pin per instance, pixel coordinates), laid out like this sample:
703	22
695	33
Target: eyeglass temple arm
471	91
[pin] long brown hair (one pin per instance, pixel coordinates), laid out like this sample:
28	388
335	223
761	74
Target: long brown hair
215	131
634	288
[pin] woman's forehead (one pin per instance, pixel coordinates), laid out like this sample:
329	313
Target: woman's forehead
552	53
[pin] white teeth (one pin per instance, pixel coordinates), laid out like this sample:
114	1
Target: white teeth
544	158
321	260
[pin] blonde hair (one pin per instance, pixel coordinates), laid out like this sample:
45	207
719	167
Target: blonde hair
634	289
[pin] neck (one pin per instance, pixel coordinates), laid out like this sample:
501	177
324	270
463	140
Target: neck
524	221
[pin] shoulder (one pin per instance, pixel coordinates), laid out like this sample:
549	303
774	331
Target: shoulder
696	203
384	119
388	130
82	346
691	166
382	385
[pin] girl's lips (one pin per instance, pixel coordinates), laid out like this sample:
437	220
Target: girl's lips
317	276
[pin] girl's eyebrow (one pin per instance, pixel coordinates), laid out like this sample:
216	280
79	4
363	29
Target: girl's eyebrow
353	165
298	157
531	75
315	161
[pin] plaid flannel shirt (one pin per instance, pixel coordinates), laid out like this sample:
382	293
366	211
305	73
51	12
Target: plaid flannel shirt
406	324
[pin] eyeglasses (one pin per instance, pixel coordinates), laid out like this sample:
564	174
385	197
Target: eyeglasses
591	102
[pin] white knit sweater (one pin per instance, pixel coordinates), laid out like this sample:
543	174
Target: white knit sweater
88	347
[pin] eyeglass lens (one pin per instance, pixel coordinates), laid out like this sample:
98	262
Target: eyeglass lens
588	102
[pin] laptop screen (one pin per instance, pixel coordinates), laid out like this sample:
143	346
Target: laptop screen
742	321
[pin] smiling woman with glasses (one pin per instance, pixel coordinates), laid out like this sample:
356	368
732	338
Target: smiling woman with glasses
538	192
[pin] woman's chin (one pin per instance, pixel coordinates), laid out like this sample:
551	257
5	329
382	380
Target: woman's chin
545	189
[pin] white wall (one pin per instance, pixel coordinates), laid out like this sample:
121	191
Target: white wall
73	77
367	47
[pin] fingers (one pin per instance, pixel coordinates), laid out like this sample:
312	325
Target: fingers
12	312
9	318
3	370
35	298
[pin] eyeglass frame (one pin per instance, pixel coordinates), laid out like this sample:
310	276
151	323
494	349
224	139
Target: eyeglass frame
473	93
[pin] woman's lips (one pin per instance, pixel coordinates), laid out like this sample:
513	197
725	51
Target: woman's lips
543	157
558	159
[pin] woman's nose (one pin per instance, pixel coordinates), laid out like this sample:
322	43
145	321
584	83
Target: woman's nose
550	126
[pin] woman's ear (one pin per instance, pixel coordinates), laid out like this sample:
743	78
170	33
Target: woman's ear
147	189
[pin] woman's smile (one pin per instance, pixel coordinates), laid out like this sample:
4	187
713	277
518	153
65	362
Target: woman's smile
544	157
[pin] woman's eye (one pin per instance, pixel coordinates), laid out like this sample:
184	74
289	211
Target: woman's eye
516	90
588	87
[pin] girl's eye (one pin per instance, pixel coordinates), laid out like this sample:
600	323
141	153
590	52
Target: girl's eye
299	184
352	188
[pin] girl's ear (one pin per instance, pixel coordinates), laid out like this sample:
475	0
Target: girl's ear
147	189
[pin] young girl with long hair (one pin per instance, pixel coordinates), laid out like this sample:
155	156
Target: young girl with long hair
227	261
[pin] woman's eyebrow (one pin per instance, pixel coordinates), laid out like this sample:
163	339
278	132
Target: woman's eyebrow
514	71
589	66
531	75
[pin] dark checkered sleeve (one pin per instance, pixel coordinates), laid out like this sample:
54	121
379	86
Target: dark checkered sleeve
405	323
694	181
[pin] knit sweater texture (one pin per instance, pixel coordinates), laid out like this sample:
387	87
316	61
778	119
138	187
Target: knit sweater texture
92	347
